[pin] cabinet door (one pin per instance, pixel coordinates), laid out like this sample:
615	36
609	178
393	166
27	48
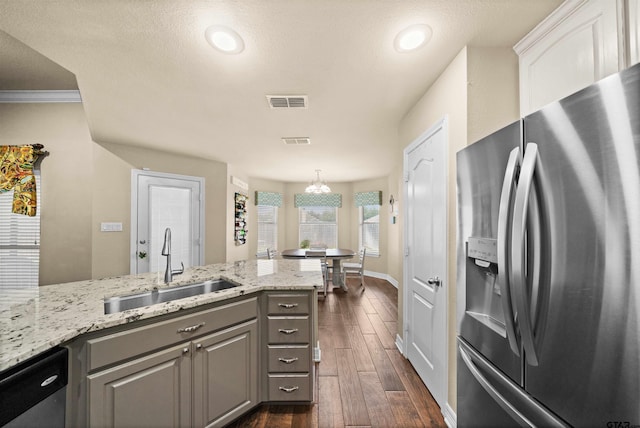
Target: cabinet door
633	22
571	49
152	391
225	374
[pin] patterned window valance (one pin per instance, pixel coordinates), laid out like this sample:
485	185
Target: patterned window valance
368	198
16	173
271	199
318	200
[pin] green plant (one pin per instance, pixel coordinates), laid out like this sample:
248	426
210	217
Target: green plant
305	243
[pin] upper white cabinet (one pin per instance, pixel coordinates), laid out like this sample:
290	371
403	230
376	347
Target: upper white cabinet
581	42
633	22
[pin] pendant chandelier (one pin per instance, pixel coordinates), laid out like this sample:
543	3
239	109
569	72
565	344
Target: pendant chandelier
317	186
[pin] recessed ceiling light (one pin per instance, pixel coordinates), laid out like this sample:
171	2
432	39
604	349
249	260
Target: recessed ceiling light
224	39
411	38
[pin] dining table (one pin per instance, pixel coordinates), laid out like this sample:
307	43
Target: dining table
335	254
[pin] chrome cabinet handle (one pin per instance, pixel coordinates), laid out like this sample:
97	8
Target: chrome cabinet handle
505	220
288	389
199	346
287	305
185	350
288	360
190	329
519	251
288	330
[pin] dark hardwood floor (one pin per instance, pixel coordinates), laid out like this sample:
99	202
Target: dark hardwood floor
362	380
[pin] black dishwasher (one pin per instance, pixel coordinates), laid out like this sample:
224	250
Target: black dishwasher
33	393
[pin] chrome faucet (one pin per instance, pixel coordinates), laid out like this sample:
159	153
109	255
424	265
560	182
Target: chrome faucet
166	251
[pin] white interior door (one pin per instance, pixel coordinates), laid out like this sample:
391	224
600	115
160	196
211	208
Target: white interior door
161	201
425	264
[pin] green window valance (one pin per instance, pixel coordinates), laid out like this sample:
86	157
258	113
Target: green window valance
368	198
318	200
271	199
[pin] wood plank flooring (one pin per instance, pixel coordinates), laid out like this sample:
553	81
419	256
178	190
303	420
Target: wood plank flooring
362	380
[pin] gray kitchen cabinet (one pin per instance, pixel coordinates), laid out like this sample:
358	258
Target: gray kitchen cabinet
225	374
288	355
153	391
194	370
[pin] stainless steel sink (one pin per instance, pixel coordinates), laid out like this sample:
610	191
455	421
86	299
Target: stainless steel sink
139	300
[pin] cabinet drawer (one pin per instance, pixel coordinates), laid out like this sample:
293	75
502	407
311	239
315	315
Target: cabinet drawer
289	330
288	358
126	344
283	304
289	388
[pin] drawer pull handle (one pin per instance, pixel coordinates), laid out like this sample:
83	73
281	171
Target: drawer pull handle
288	305
288	330
289	389
190	329
288	360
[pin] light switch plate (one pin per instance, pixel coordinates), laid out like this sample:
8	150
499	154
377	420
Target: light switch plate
110	227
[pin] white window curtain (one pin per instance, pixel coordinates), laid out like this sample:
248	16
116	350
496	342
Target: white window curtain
19	243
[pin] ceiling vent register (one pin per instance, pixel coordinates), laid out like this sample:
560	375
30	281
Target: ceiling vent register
292	141
287	101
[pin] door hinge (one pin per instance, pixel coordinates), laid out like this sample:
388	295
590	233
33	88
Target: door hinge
406	252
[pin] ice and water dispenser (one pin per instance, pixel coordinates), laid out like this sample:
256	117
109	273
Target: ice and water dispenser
483	299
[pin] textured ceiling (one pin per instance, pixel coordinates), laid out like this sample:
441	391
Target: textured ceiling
148	77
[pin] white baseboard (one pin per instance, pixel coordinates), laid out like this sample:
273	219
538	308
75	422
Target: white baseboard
384	276
400	344
449	416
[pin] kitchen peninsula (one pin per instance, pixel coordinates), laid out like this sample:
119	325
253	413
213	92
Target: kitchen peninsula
269	315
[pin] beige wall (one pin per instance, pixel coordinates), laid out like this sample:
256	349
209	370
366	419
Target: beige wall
67	182
478	93
493	100
84	184
112	201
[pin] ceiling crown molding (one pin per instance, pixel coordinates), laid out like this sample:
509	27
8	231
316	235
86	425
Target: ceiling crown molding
58	96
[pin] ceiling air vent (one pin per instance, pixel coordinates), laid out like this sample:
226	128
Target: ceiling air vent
287	101
296	140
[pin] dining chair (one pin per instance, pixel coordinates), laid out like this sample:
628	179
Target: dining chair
355	269
320	253
271	253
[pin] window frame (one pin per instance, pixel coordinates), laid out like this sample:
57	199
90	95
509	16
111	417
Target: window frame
309	208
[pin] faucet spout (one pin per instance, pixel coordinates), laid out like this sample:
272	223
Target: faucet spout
166	251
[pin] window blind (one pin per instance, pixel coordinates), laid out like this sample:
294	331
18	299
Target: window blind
370	229
19	243
319	226
267	228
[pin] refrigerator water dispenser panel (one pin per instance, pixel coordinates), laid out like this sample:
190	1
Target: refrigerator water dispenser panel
483	250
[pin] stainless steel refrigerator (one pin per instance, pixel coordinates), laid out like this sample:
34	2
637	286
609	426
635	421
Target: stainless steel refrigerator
549	265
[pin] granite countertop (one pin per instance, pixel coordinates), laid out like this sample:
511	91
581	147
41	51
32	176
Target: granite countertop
37	319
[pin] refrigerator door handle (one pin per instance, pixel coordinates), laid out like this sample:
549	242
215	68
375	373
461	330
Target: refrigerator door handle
508	407
519	251
505	221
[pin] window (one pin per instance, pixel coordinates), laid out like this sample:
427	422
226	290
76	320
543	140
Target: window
370	229
267	228
318	226
19	243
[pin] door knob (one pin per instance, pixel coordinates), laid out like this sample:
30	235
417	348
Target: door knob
435	281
